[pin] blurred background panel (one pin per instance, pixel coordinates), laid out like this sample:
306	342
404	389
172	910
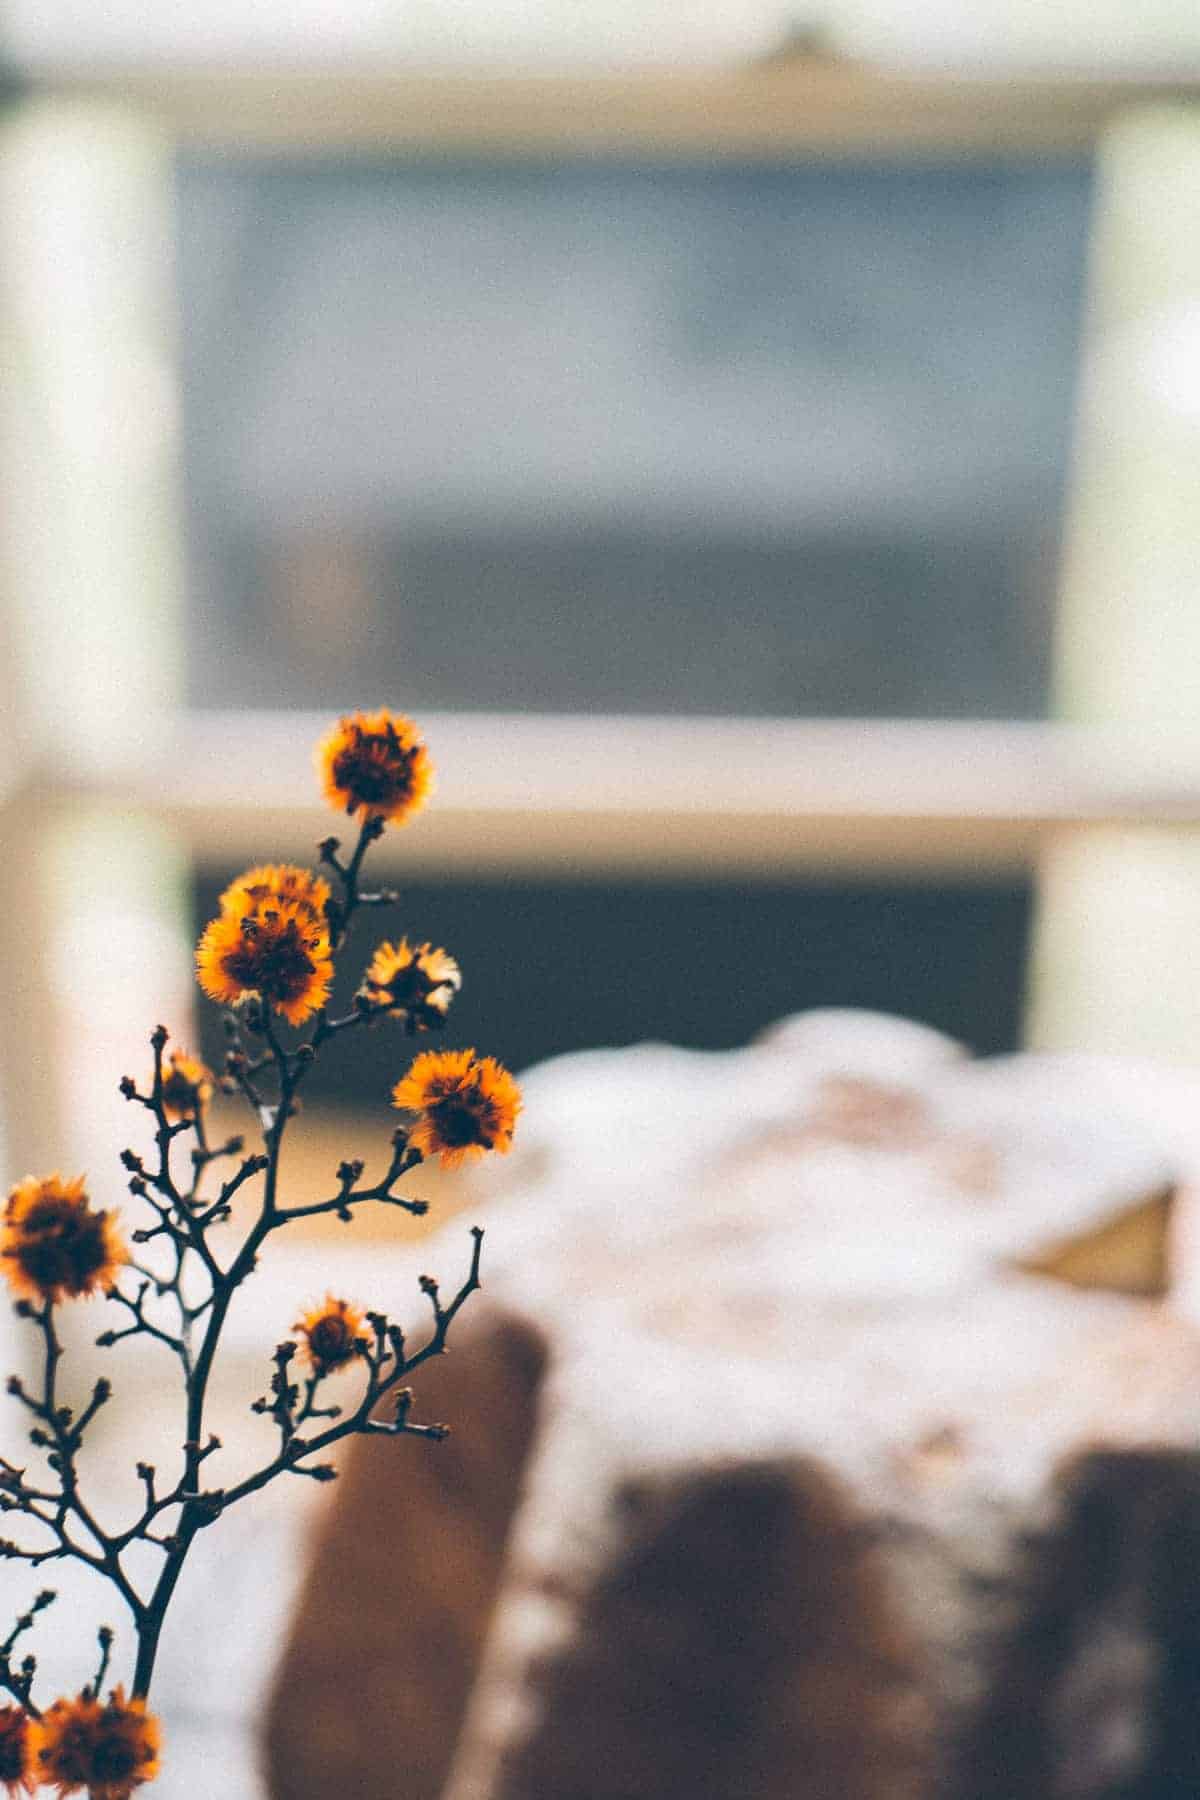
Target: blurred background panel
722	438
734	438
736	387
735	372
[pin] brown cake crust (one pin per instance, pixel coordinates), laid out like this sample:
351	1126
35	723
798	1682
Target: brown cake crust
394	1611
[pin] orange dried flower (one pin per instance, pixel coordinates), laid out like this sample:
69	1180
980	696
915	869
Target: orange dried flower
376	763
413	978
109	1749
187	1086
18	1742
276	881
279	951
332	1333
54	1245
466	1105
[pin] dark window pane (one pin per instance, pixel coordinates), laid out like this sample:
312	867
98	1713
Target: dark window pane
555	966
738	439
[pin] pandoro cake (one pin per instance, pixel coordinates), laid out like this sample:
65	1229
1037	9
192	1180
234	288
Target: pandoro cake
827	1430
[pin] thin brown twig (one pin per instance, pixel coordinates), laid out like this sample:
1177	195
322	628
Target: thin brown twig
184	1275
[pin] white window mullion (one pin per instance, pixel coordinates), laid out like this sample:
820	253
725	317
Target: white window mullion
91	890
1115	964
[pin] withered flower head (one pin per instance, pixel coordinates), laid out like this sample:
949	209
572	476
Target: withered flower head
54	1245
413	978
187	1086
332	1333
18	1740
276	881
466	1105
376	763
109	1749
279	950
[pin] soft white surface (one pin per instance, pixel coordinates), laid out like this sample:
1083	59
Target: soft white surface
504	33
990	35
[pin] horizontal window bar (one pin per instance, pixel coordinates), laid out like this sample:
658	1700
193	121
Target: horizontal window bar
652	794
779	109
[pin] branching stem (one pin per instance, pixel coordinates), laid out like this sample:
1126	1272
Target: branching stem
185	1276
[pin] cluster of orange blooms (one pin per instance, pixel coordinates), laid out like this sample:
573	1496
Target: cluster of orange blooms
272	937
272	943
108	1748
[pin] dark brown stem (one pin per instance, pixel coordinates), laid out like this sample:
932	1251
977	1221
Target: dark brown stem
172	1516
386	1376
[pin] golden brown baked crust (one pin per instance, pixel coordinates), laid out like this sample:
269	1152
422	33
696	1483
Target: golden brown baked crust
392	1617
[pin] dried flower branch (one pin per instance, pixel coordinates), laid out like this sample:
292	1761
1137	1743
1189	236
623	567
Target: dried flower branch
269	957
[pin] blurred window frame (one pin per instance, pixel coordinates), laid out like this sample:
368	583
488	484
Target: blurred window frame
900	799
